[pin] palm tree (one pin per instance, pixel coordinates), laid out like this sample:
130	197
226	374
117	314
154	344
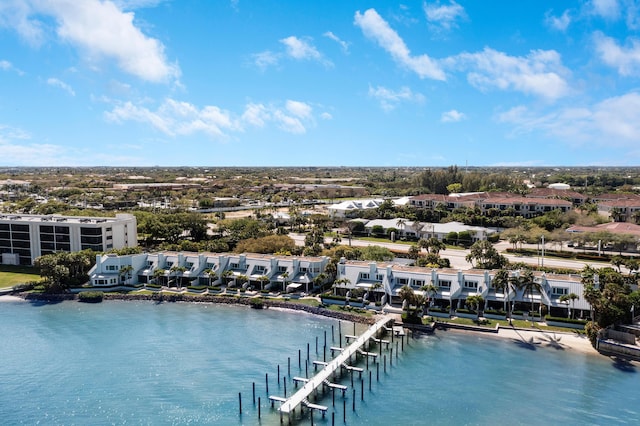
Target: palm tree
262	279
211	275
527	282
475	302
285	276
227	277
318	280
175	269
500	282
430	290
125	272
401	223
157	274
337	283
408	297
241	279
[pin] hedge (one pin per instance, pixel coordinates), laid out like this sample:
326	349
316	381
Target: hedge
563	319
90	296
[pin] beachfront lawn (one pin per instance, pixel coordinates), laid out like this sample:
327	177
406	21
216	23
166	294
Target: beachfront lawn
351	310
309	302
491	323
13	275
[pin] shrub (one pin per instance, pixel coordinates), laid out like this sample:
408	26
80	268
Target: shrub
592	330
197	287
256	303
465	311
90	296
438	309
25	286
154	286
565	320
495	312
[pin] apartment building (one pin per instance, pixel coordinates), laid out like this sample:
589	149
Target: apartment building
23	238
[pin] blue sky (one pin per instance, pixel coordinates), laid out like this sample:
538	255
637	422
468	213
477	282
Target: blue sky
319	83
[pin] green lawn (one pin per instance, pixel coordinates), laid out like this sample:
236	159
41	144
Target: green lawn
12	275
490	323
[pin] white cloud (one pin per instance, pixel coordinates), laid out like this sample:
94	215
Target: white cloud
444	16
326	116
298	109
300	49
265	59
390	99
452	116
175	118
612	122
54	82
17	151
100	29
606	9
625	59
343	44
540	73
558	23
377	29
16	14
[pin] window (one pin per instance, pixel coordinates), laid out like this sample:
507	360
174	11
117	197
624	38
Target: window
282	269
418	283
303	270
379	277
364	275
444	283
259	269
471	284
234	266
403	281
559	291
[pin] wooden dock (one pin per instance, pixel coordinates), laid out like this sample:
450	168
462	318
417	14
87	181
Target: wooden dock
322	377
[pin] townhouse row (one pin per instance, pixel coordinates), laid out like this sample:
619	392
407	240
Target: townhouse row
377	281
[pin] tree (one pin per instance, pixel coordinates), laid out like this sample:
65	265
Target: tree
571	297
177	270
125	272
211	275
484	256
263	279
500	282
475	303
157	274
285	277
408	297
376	253
338	283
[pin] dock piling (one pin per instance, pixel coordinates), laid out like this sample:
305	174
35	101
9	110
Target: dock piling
289	366
254	392
258	407
266	381
240	401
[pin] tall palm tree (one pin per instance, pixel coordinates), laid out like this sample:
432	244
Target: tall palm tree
408	297
527	283
178	270
430	290
500	282
401	224
227	277
285	276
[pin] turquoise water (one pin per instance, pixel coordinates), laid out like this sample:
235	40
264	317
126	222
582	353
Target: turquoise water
146	363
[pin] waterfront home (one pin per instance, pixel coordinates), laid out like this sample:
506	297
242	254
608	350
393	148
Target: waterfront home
259	271
449	288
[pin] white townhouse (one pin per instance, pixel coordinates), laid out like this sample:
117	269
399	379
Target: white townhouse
23	238
454	286
259	271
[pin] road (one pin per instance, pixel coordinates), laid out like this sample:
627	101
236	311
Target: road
457	256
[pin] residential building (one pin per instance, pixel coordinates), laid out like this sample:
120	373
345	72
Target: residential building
23	238
259	271
454	286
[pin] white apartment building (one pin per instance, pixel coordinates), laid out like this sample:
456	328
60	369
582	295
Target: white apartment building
23	238
184	269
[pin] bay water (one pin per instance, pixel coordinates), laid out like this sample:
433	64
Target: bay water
178	363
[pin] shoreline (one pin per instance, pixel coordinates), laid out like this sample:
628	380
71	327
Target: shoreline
530	339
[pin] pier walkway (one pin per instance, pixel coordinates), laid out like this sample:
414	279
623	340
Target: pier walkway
300	397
